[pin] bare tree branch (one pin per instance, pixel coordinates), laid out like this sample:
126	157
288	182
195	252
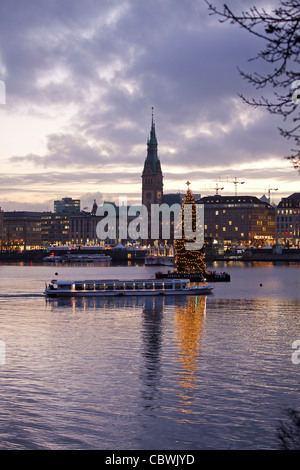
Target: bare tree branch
280	31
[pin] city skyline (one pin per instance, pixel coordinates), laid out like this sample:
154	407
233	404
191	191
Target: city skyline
81	81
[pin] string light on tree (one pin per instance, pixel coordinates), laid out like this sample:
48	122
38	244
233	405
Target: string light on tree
188	261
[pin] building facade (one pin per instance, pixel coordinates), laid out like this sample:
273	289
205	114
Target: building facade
67	205
239	220
55	229
288	221
81	229
21	230
56	226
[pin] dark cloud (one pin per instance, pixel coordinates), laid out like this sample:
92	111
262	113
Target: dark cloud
112	61
67	150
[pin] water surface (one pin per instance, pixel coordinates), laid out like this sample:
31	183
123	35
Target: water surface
195	372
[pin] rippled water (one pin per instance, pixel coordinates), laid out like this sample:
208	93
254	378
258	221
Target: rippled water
205	372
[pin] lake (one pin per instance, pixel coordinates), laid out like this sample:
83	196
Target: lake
182	373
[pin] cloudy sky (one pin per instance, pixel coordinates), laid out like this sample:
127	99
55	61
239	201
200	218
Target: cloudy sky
81	78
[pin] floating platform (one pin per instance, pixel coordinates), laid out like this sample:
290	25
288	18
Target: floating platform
210	276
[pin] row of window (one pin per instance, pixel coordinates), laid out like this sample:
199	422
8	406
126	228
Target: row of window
116	286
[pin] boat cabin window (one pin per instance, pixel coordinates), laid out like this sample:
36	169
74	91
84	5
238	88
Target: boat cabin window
90	286
139	285
148	285
65	286
79	286
159	286
118	286
109	286
177	285
129	286
99	286
168	285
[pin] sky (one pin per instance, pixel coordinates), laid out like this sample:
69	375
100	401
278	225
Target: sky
81	78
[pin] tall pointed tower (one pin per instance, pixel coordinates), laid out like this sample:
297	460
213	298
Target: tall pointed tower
152	177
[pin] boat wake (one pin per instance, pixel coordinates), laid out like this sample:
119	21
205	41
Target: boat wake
10	295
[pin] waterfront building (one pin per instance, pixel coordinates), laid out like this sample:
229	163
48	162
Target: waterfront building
288	220
241	220
81	228
67	205
56	225
21	230
55	229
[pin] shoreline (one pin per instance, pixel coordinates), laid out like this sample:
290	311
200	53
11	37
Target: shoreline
37	257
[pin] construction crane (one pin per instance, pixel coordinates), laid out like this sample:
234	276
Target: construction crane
217	189
235	182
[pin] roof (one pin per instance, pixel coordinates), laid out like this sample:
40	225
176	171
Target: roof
292	201
218	199
24	214
295	197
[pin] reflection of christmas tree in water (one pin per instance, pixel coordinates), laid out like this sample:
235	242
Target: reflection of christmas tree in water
189	322
188	261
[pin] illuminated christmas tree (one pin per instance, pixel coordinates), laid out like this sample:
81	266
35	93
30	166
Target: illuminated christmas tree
188	261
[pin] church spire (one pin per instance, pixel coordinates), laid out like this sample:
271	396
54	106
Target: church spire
152	156
152	178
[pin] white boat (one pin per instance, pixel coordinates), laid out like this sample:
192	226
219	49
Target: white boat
153	260
95	258
126	287
51	259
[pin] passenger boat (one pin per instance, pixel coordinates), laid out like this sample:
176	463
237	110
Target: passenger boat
126	287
